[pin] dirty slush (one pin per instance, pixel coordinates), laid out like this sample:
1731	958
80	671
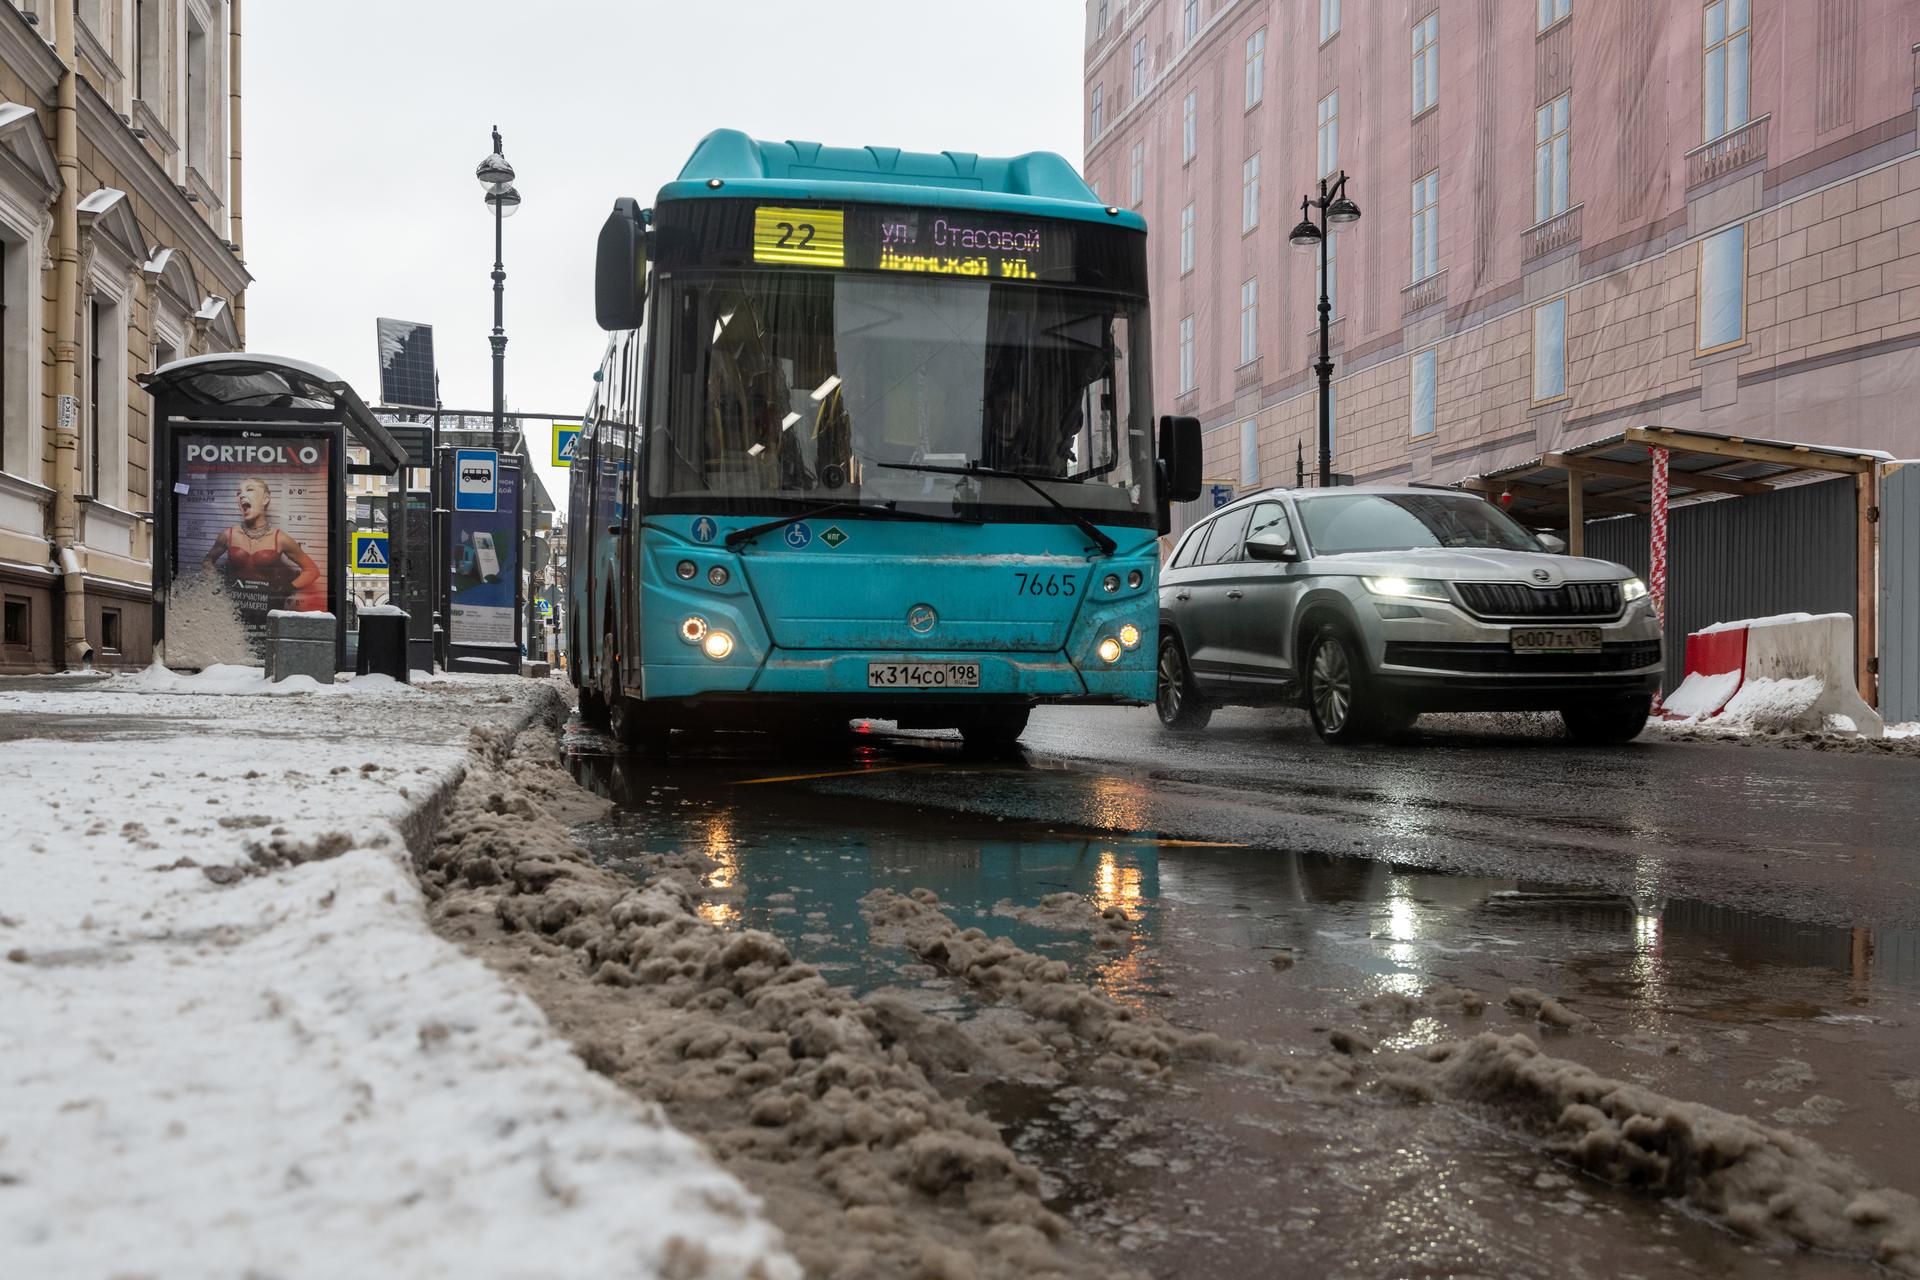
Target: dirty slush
857	1120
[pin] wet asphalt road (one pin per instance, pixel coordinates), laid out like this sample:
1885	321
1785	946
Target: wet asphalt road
1739	922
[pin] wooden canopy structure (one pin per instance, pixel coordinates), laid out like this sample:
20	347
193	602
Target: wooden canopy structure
1615	476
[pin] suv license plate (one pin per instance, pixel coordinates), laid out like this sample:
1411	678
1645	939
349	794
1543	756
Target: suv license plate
1556	639
924	675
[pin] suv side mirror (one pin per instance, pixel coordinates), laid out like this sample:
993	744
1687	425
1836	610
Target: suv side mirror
620	268
1552	544
1180	458
1267	546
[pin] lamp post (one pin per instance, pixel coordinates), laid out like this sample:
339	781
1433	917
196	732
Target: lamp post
1335	211
496	175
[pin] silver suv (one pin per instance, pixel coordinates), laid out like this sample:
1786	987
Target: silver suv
1371	605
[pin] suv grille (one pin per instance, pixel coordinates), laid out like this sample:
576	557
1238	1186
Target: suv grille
1569	600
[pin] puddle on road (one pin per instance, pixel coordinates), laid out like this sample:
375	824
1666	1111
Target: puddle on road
1219	1173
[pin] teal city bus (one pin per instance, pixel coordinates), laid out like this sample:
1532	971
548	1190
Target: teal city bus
872	438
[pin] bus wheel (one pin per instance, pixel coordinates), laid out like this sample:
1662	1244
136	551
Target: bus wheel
630	726
593	709
995	731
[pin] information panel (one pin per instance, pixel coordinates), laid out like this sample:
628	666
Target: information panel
921	241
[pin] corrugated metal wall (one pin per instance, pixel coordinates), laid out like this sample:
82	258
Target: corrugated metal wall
1900	595
1781	552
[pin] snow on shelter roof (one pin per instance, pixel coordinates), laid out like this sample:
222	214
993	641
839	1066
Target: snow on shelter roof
1615	473
1037	182
243	380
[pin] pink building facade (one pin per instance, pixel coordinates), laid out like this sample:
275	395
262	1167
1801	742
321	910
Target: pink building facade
1578	217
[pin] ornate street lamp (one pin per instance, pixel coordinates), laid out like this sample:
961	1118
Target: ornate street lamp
1337	209
503	198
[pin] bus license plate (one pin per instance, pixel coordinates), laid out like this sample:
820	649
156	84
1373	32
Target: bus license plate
923	675
1556	639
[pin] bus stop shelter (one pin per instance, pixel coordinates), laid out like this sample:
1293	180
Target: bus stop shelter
249	460
1801	537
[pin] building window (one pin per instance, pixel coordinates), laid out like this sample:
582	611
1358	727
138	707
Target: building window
1256	68
1329	135
1100	18
1426	367
1329	19
1097	110
1552	11
1093	185
1249	320
1250	193
1186	355
1551	162
1327	280
8	449
110	631
1550	350
1186	240
92	338
1249	454
1426	226
146	53
1723	289
1426	62
1726	41
1190	127
1190	23
1140	67
19	622
1138	178
197	116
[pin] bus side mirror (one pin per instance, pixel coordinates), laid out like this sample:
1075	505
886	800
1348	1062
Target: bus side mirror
620	268
1180	458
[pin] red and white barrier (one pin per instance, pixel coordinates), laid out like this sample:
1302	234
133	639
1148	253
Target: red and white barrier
1781	674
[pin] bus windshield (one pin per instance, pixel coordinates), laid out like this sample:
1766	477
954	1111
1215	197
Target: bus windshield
810	387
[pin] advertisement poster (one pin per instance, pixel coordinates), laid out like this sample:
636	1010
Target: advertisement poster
485	566
252	534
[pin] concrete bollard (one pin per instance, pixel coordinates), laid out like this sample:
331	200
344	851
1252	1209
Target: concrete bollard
300	644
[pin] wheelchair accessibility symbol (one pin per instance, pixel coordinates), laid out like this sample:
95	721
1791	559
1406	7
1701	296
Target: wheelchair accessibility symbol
798	535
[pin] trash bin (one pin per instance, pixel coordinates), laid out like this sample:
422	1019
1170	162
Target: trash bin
383	642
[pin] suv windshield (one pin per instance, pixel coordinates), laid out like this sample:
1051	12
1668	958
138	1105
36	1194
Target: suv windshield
1339	524
791	386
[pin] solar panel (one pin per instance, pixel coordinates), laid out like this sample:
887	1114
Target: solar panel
406	363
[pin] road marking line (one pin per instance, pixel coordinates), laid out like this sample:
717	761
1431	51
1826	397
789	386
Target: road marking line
1179	844
840	773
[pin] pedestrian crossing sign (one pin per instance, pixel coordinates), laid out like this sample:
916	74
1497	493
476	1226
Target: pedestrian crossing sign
369	552
565	440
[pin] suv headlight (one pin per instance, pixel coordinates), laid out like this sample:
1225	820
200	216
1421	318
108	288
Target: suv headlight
1407	588
1633	589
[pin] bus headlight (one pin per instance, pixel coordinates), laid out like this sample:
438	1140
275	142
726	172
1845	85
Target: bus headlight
1130	636
717	575
718	645
1110	583
1134	580
693	630
1109	650
685	569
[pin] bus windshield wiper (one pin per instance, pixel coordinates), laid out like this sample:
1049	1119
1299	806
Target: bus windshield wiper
1107	545
740	537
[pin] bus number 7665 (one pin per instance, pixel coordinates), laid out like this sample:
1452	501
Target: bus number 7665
1045	584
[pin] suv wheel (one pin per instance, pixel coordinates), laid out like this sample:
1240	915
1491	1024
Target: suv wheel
1176	698
1339	693
1607	723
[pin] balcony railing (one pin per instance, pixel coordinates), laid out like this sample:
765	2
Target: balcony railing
1336	338
1557	232
1728	152
1247	375
1422	294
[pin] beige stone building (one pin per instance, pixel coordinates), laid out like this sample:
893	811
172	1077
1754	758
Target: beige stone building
119	251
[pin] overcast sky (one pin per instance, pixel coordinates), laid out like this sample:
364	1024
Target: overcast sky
364	121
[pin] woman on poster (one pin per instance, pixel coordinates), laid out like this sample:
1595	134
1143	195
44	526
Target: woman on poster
259	553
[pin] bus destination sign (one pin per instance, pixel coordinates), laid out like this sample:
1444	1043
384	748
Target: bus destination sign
917	241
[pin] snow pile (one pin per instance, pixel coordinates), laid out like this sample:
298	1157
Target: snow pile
204	625
1772	706
232	1046
1769	1185
229	680
1071	913
1701	695
821	1103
